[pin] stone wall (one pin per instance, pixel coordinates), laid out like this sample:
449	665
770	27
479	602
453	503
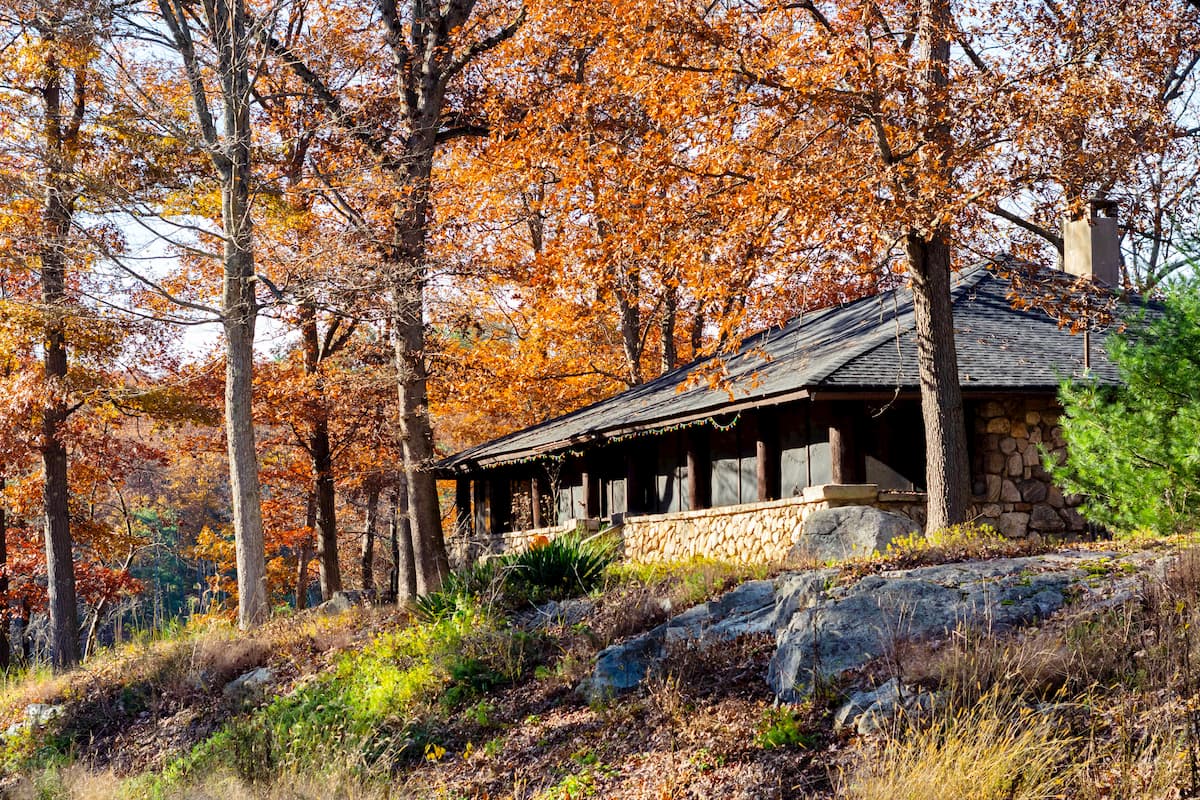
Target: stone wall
1013	491
754	532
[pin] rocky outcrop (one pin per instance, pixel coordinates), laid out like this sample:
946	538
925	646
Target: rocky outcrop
841	628
748	609
835	534
825	627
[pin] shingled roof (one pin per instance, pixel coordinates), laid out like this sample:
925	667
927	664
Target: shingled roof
864	346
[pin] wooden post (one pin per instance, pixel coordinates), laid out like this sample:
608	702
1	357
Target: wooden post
699	469
462	506
591	493
535	499
845	458
482	524
768	456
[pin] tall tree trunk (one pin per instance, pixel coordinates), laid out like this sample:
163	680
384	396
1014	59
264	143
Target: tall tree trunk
5	649
630	324
412	377
57	213
240	309
669	357
225	22
368	542
947	467
402	547
320	453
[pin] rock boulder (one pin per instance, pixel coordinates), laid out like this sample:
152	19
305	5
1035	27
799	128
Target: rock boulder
835	534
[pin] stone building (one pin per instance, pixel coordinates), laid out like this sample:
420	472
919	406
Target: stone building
822	411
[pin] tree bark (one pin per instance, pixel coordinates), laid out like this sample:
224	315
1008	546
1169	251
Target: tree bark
408	275
240	308
422	40
669	358
947	468
368	542
57	213
5	648
321	454
405	585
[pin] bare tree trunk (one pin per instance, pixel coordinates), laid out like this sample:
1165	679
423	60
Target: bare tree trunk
669	358
368	542
240	308
89	641
402	547
416	432
947	467
57	214
5	649
422	38
320	453
225	22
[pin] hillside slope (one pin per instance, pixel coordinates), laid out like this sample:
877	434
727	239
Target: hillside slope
1095	701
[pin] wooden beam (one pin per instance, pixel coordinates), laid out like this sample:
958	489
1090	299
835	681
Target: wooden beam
699	469
535	500
591	494
768	456
463	523
846	459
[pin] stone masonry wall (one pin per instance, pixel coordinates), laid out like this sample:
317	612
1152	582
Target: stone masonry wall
1013	491
754	532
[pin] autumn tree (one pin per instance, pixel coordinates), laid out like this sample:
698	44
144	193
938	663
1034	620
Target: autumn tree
894	131
52	93
432	50
215	45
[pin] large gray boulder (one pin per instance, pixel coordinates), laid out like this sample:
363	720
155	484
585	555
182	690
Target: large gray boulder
843	628
835	534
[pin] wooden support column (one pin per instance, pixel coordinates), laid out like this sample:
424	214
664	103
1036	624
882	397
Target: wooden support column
535	499
768	458
699	469
591	492
462	507
845	454
482	524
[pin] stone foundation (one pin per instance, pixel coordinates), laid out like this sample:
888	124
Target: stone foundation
1013	492
755	532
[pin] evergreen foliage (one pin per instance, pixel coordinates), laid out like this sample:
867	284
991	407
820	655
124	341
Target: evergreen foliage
1134	450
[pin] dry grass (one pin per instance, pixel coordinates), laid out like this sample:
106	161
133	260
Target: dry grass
995	751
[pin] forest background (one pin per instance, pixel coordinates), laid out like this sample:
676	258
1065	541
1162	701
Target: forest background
419	225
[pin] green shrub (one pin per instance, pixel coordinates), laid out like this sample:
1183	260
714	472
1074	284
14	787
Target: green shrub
783	727
568	566
1132	449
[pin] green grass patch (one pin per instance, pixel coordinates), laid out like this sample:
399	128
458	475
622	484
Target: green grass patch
375	709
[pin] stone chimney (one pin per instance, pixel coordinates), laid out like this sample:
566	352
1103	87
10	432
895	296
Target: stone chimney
1092	244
